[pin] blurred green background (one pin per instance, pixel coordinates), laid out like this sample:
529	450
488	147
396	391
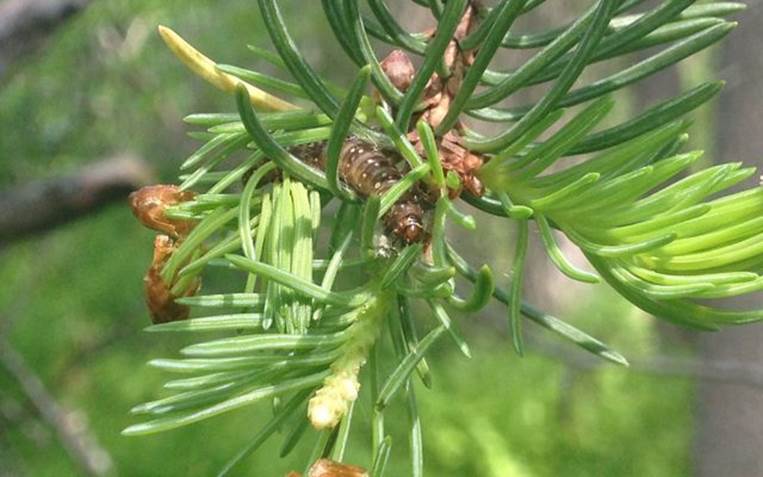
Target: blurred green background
71	300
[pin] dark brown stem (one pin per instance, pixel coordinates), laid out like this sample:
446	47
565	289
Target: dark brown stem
720	371
79	444
42	205
25	24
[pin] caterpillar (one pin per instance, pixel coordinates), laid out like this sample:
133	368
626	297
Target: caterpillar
371	171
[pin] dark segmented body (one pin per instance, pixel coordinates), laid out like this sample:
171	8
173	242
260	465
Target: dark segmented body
405	220
370	171
366	169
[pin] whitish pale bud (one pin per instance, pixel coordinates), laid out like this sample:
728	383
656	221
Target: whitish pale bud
331	402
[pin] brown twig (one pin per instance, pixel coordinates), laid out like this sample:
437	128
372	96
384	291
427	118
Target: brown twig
42	205
25	24
75	438
723	371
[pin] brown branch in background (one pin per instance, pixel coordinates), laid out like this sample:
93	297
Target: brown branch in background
25	24
736	372
74	436
42	205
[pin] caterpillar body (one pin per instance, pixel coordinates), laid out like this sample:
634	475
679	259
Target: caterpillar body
371	171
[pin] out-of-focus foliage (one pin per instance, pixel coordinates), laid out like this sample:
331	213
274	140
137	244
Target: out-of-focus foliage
71	300
105	82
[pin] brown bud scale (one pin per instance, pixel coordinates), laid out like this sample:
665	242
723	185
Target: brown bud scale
398	67
159	297
330	468
149	203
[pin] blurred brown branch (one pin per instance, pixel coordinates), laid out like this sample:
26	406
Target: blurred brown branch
42	205
715	370
71	431
25	24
